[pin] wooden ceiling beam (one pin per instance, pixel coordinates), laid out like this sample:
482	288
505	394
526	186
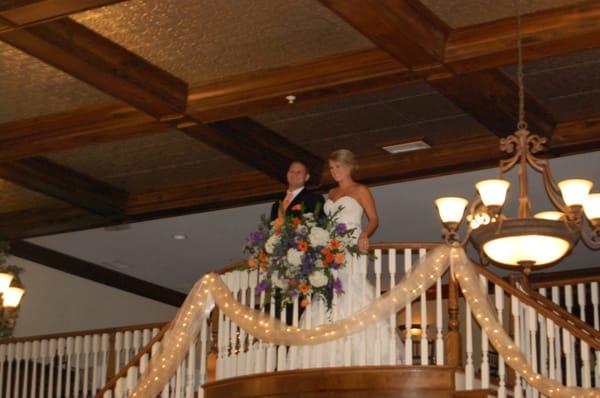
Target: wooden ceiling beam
545	34
41	175
18	14
255	187
247	141
92	58
491	98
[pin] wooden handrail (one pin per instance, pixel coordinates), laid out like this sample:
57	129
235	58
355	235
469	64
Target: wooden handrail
111	384
402	246
563	278
547	308
83	333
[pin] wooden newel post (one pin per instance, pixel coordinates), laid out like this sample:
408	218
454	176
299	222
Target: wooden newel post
453	337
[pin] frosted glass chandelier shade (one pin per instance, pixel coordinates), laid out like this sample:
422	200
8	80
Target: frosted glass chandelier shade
451	209
575	191
493	192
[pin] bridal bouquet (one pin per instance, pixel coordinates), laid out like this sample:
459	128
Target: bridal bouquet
300	255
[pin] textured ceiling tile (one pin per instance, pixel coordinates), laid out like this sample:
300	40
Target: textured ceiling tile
14	198
472	12
202	40
30	88
151	162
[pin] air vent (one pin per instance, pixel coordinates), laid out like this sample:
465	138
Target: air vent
406	147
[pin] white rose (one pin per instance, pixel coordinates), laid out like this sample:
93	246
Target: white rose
318	237
294	256
318	279
271	243
279	282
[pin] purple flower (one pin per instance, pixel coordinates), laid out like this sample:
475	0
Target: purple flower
341	228
335	266
262	286
337	285
307	268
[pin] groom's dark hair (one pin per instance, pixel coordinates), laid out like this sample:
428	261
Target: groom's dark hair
299	162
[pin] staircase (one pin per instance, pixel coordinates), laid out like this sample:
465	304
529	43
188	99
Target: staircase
449	355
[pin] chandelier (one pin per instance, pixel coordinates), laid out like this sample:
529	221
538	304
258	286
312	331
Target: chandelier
527	240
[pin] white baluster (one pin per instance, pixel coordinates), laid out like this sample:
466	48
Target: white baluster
334	316
293	353
543	340
87	348
104	350
127	345
362	336
69	353
3	348
469	369
532	323
35	357
392	321
26	360
18	359
118	349
349	293
281	350
552	365
557	340
516	310
60	355
51	360
260	360
439	339
408	354
377	342
595	304
132	377
10	357
241	362
570	357
424	341
525	343
203	354
485	360
585	349
95	353
321	308
499	301
78	349
233	329
43	361
251	354
306	350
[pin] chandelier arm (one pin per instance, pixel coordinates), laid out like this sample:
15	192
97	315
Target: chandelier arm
543	167
591	241
507	164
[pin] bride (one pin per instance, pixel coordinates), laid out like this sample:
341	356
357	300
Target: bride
350	199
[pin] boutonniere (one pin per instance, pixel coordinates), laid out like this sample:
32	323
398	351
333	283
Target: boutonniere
297	207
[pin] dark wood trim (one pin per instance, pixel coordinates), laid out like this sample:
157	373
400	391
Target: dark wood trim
43	176
491	98
154	325
545	34
562	278
24	13
98	61
95	273
263	149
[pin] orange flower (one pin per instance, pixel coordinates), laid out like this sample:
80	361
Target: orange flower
303	246
304	303
340	258
326	251
296	221
277	231
251	262
334	244
293	282
297	207
329	258
264	266
304	288
262	257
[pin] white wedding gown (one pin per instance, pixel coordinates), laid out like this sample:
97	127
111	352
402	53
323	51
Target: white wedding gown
358	292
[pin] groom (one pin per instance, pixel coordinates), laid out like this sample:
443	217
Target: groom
296	200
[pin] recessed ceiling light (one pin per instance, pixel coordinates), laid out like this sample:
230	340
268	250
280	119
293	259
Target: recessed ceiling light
406	147
179	236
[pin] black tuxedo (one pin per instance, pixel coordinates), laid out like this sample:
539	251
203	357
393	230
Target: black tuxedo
310	201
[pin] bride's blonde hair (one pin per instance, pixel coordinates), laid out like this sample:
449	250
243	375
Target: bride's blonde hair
344	156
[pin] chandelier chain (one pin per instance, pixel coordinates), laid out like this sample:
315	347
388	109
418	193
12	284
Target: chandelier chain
522	124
